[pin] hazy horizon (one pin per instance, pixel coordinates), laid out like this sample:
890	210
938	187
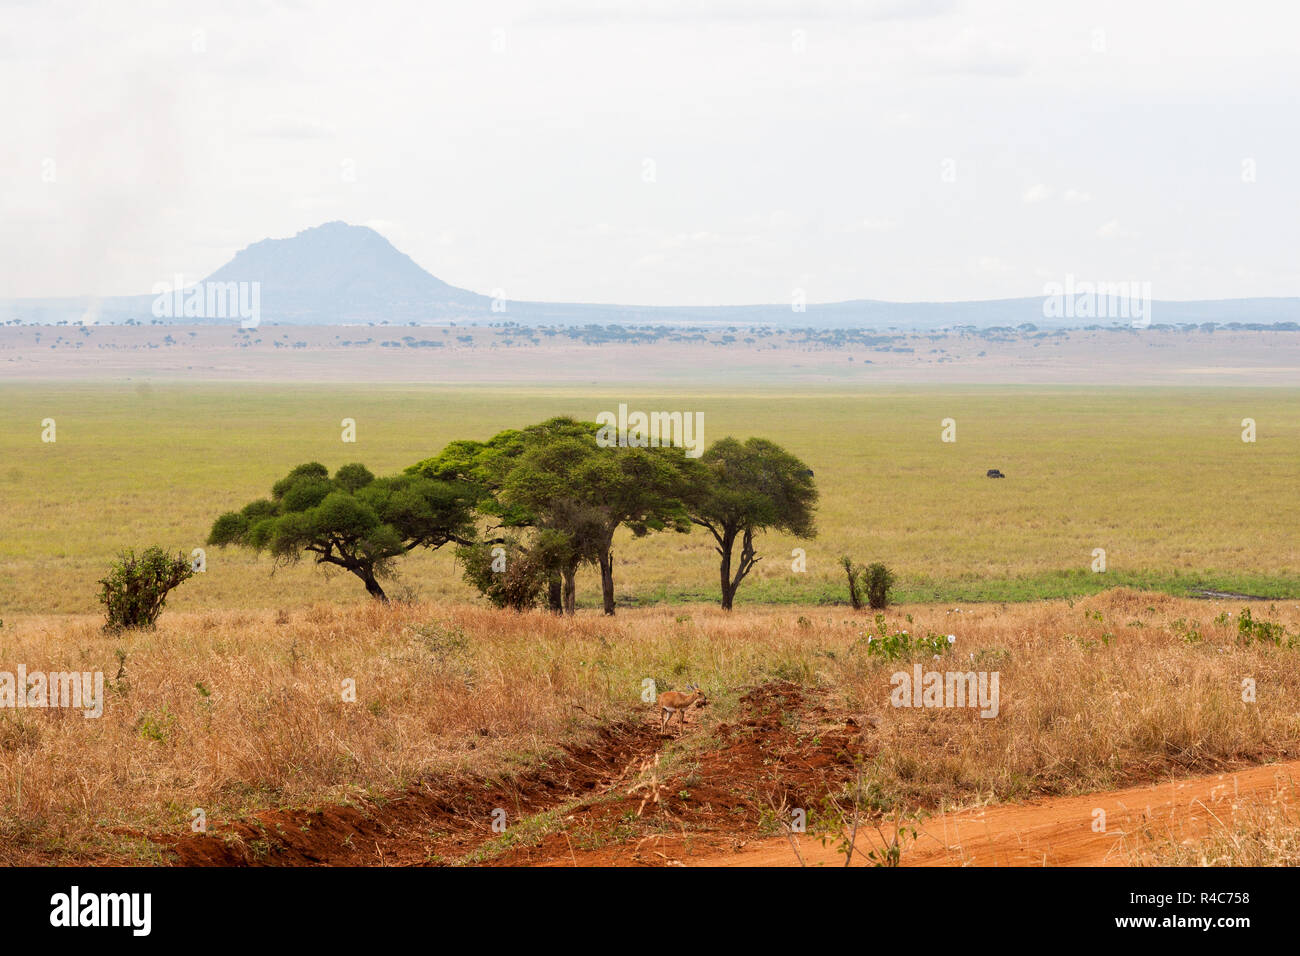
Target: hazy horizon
191	280
664	154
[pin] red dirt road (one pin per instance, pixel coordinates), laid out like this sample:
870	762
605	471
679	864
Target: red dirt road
1056	831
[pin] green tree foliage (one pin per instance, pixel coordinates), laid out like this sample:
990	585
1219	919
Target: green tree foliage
507	573
485	466
572	494
854	573
136	588
354	520
586	491
750	487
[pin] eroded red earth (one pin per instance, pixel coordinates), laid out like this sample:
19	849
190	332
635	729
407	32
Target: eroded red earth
635	797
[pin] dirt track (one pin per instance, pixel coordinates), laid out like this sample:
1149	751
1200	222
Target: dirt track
1057	831
632	797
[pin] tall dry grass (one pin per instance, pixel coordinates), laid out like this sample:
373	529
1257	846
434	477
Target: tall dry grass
238	711
1258	831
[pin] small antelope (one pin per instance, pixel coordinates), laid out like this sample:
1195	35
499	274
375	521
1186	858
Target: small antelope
675	702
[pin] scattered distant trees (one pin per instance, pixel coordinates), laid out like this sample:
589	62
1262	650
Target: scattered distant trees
353	521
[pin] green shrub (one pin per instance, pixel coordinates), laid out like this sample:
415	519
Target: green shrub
514	577
873	581
879	580
135	589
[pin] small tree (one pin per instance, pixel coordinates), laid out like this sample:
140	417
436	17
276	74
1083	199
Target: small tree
875	581
747	488
852	572
136	588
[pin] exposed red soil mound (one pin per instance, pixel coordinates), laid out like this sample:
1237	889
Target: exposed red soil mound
436	819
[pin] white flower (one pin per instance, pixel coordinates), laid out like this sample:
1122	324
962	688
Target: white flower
952	638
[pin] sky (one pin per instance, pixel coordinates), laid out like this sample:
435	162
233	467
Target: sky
660	152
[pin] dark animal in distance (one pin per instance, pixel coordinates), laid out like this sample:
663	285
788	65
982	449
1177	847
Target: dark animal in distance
994	473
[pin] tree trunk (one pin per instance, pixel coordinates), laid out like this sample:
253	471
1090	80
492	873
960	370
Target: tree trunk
731	582
373	587
555	595
607	579
570	589
728	592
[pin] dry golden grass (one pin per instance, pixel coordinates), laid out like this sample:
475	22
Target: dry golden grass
238	711
1259	832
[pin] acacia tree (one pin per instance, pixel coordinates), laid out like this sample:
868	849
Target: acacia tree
589	490
558	543
576	531
751	486
354	520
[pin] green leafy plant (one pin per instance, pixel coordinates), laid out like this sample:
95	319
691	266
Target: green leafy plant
874	583
840	818
896	645
135	589
1250	631
156	728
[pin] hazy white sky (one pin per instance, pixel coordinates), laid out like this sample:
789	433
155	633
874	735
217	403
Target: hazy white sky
874	149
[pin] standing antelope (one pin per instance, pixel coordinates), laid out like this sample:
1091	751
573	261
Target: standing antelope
675	702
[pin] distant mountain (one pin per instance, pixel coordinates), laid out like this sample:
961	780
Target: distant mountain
332	274
339	274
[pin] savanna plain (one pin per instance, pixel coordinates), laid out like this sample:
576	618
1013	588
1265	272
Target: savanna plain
485	736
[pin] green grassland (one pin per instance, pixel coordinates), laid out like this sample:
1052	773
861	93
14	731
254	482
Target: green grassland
1158	477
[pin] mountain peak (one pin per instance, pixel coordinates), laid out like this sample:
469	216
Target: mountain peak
351	273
